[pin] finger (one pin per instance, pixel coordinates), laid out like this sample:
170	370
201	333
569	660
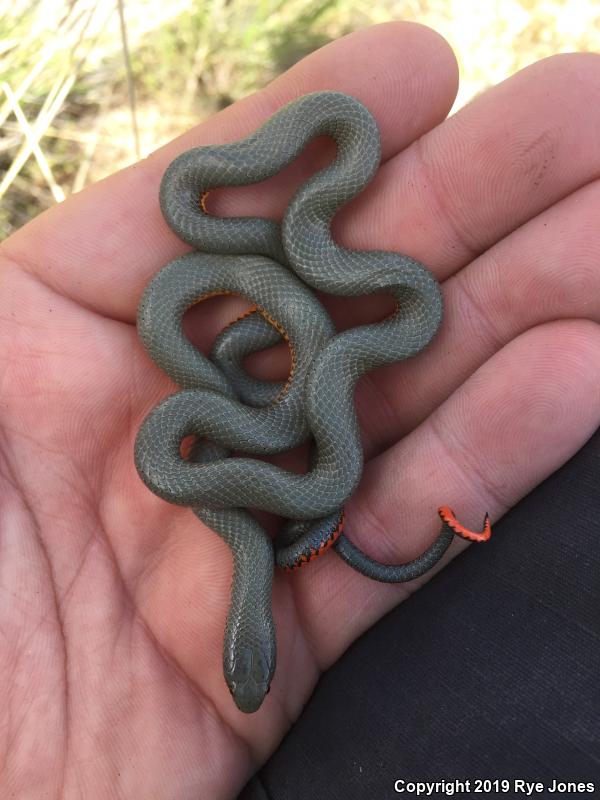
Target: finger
102	246
505	157
515	421
546	270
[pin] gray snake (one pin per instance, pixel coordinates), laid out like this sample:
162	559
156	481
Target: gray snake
275	266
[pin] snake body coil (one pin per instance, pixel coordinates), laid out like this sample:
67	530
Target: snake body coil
273	265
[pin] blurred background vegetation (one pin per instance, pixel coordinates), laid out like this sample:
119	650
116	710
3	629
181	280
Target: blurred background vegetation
87	86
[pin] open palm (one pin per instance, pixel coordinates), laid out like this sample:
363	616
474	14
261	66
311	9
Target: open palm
112	602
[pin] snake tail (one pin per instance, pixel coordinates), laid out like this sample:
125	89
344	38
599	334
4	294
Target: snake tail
448	517
400	573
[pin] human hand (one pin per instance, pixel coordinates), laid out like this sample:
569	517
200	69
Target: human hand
113	602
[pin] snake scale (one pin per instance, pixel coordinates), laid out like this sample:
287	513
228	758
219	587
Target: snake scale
276	266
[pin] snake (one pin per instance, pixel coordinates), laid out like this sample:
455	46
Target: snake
278	266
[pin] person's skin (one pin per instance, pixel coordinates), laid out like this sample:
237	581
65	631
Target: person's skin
112	602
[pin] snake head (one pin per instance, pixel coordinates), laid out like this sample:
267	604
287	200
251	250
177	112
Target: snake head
249	677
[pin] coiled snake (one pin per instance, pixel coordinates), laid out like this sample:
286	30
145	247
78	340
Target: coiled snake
275	266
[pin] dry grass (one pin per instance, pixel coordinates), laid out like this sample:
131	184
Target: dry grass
66	112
